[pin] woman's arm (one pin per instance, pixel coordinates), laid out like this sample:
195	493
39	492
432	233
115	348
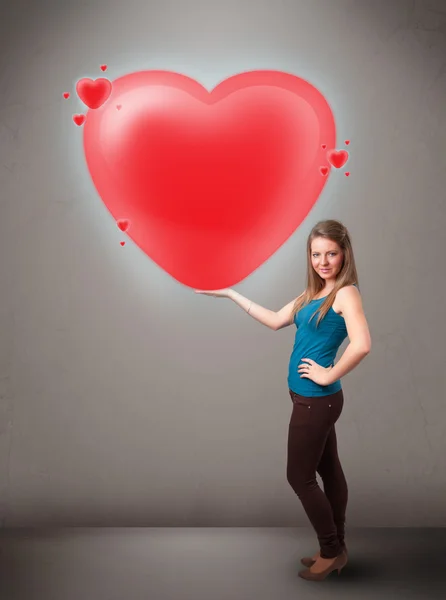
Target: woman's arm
259	313
273	320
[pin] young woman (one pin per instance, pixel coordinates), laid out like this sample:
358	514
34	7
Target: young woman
329	310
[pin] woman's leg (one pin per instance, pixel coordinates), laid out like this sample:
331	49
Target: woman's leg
310	425
335	484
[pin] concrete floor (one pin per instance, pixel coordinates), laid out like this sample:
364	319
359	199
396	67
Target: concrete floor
215	564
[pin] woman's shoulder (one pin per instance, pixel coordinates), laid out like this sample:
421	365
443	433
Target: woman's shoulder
350	289
348	294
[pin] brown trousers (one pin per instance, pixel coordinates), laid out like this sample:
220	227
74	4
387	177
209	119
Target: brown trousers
312	447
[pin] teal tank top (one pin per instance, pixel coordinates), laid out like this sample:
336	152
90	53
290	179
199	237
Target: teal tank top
321	345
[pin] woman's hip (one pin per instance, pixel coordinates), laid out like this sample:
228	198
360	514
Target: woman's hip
317	411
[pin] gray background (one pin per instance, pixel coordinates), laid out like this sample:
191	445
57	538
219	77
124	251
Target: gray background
125	398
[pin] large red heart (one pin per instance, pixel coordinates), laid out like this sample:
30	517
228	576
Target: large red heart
212	182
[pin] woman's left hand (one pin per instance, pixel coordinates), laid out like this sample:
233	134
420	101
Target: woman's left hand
313	371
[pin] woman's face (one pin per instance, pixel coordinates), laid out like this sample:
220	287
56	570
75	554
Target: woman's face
326	258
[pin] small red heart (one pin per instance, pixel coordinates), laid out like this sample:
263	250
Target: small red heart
347	174
337	158
347	142
324	146
103	67
119	106
123	224
94	93
122	243
214	182
79	119
66	95
323	170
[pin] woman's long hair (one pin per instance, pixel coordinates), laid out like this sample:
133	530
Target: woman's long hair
336	232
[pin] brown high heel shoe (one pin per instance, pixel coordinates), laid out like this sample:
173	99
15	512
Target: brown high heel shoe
337	565
309	562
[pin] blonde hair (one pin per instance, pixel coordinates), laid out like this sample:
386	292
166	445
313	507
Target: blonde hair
336	232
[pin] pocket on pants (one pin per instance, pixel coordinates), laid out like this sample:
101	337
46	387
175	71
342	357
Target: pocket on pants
302	411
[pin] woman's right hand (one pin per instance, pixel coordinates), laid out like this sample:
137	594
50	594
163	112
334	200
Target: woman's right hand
217	293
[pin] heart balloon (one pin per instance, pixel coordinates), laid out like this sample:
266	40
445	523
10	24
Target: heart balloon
212	182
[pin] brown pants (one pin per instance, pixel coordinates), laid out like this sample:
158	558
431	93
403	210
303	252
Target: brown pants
312	447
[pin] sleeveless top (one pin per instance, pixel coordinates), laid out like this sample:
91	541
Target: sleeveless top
321	345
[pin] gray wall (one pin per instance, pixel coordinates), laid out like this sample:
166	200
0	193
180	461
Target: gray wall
126	399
